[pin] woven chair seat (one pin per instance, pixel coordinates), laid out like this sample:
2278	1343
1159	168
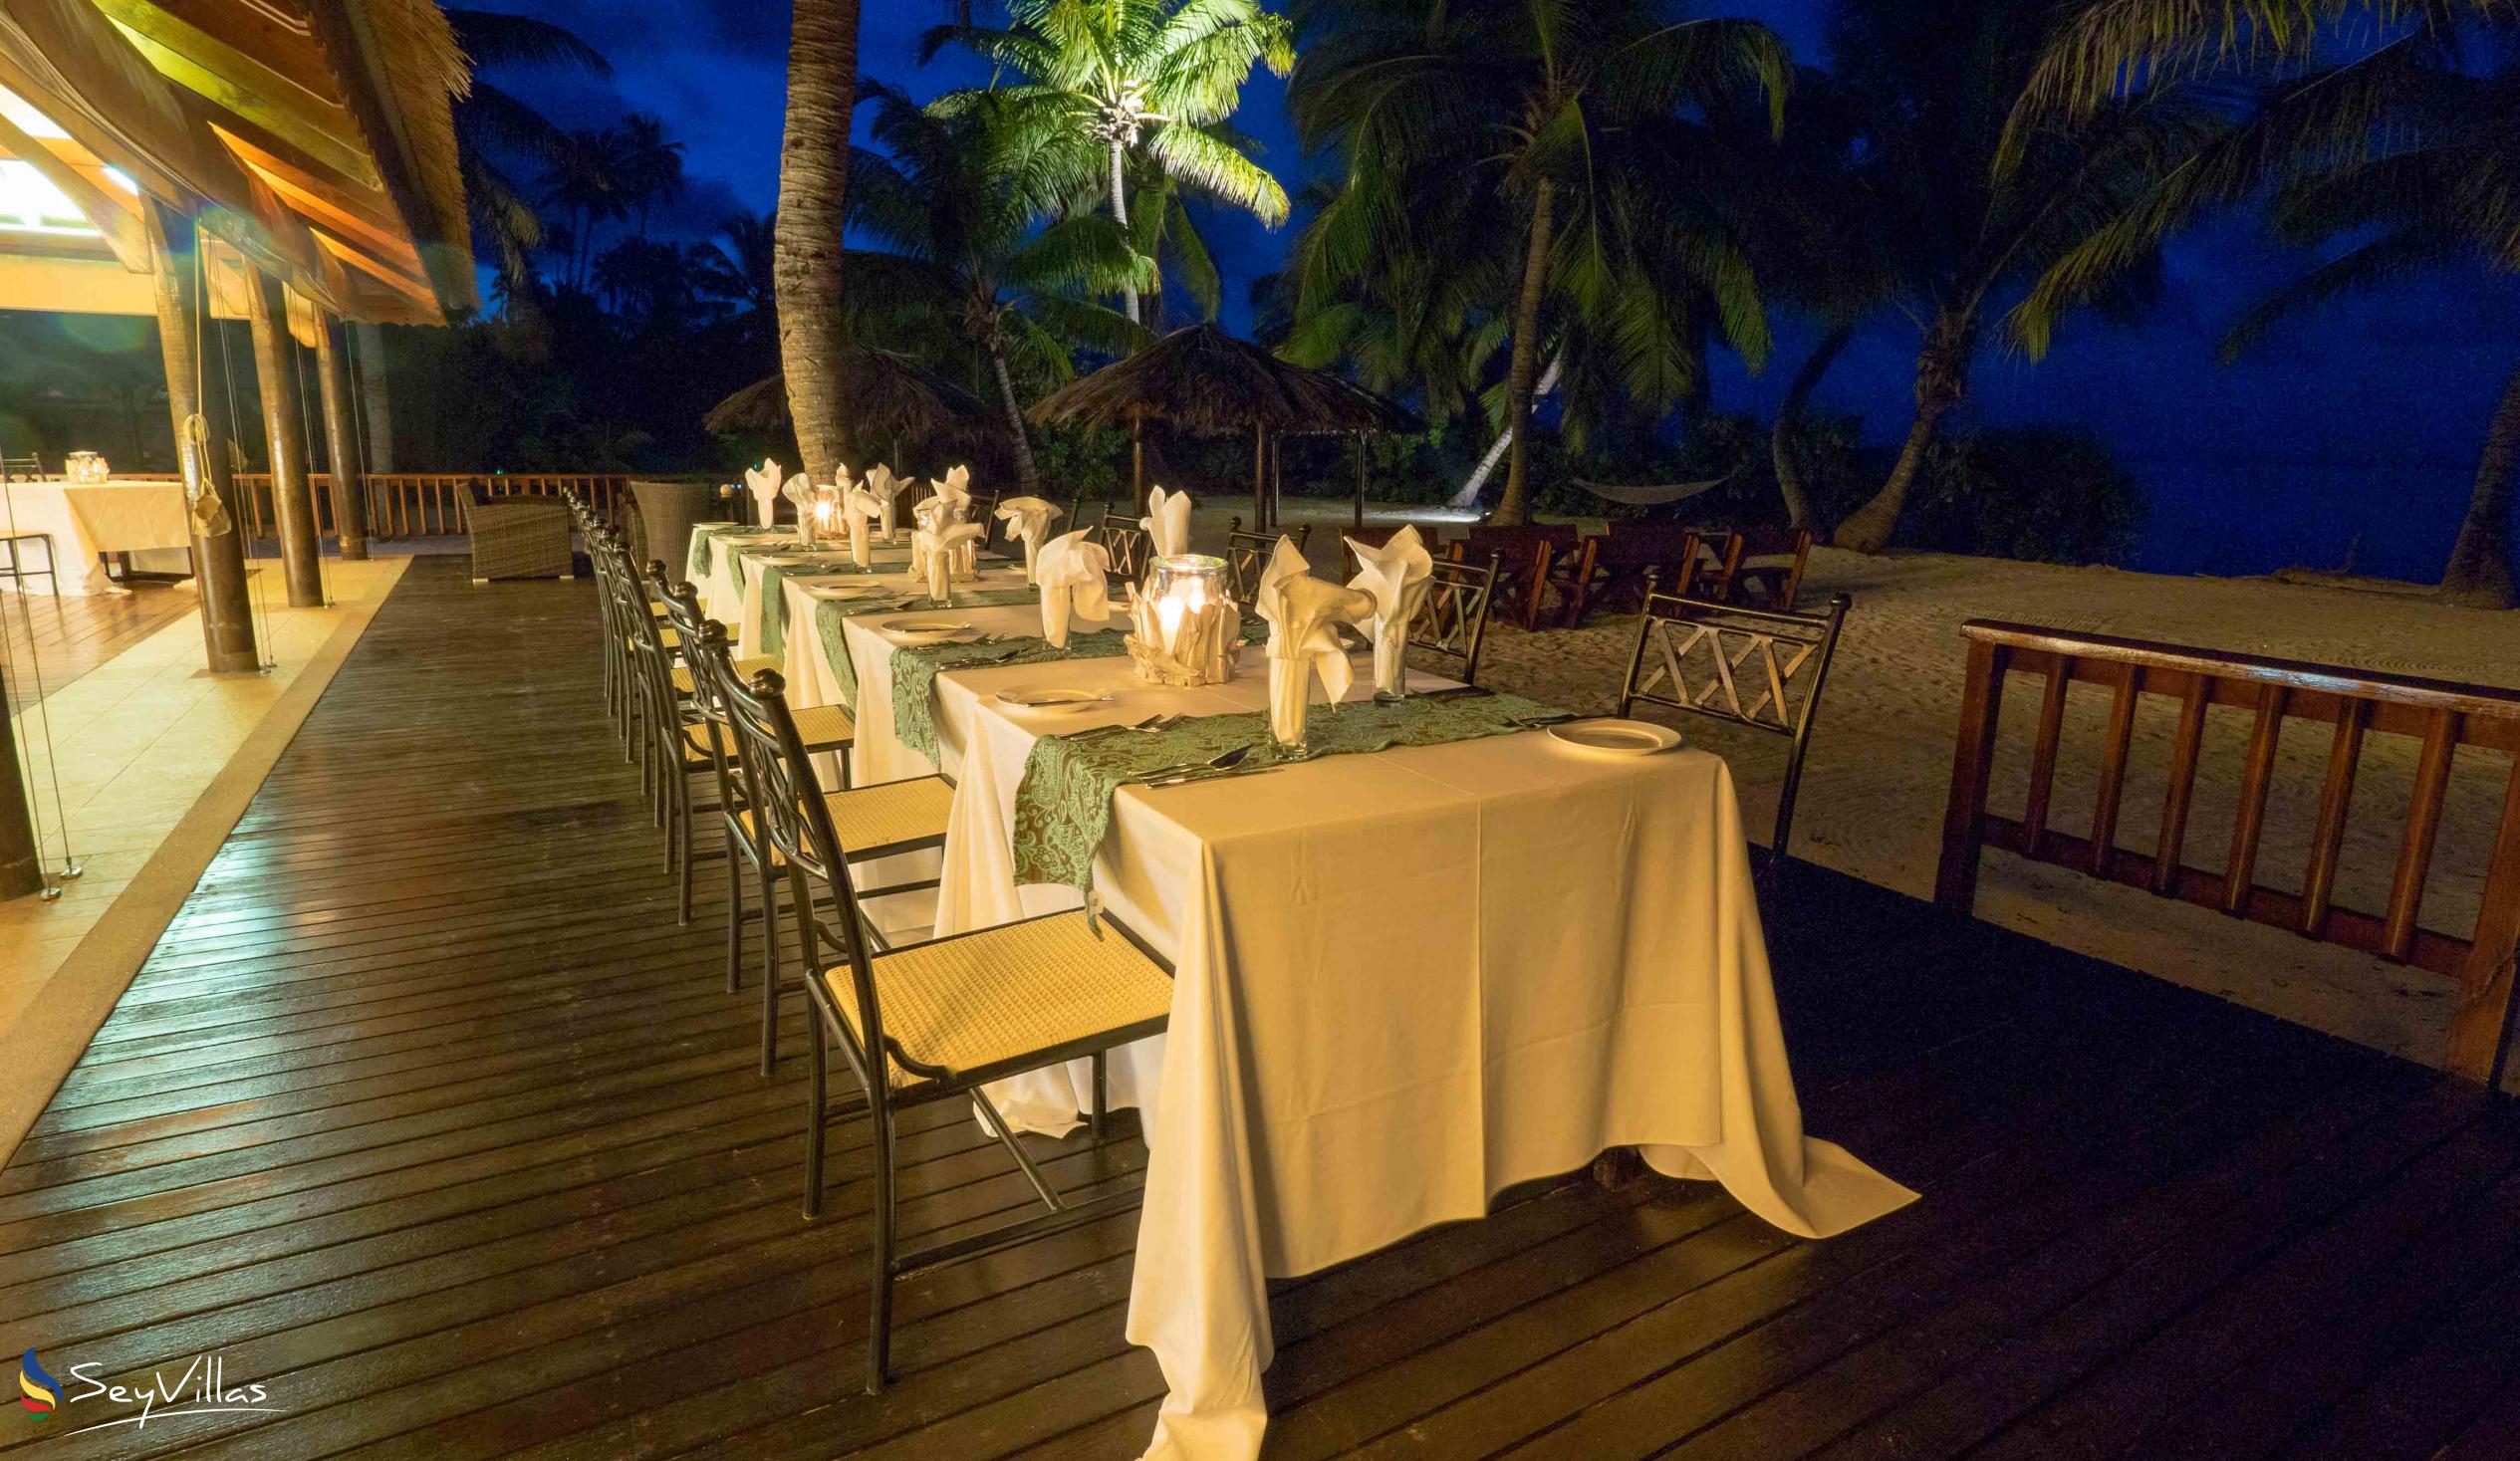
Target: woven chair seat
987	997
744	669
823	727
870	818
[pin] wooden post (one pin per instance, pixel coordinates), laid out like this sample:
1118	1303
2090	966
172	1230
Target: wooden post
1361	481
21	858
1138	461
1260	477
341	439
292	496
1973	762
2480	1022
196	384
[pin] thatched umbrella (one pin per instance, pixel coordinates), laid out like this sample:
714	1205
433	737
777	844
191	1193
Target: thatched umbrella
1202	379
887	395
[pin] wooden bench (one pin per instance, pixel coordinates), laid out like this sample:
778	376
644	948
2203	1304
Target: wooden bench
2440	716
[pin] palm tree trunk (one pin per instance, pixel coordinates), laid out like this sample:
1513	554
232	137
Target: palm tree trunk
1942	373
1515	505
1468	496
1120	215
806	253
2479	571
1789	420
1025	474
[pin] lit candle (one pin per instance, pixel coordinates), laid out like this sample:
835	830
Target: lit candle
1168	613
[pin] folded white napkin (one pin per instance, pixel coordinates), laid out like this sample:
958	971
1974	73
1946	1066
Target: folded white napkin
801	492
1028	521
888	491
863	507
1073	577
1395	575
937	549
1168	522
957	481
1304	613
763	482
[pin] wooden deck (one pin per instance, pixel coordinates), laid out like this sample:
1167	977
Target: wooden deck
68	637
428	1117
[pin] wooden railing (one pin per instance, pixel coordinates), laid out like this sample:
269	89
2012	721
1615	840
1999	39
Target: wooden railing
2439	716
419	504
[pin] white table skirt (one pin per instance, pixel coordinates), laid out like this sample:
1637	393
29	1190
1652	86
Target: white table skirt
86	519
1451	967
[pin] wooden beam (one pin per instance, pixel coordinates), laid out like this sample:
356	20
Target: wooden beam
120	224
239	83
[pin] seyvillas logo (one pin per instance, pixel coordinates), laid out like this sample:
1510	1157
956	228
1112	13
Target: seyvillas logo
201	1388
37	1391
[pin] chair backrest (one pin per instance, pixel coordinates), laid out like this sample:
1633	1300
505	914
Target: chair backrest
1248	554
779	782
651	665
1131	549
28	468
1768	567
1514	543
1451	620
1751	667
983	509
2452	725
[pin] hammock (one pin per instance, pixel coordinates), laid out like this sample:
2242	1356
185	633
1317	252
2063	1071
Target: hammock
1655	496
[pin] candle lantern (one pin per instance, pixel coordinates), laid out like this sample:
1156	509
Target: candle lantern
822	515
1183	626
84	467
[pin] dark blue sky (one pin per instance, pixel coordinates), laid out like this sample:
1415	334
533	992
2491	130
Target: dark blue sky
2358	425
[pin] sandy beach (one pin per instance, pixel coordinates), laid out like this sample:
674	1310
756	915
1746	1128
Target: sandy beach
1881	763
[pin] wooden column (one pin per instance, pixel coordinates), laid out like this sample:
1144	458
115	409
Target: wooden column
341	439
1361	481
1138	461
1260	478
196	384
284	437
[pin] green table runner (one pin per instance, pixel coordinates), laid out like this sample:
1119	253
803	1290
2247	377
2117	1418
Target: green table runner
696	566
914	671
774	599
828	613
1063	808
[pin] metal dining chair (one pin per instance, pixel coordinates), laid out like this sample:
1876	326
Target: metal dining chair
1754	667
935	1021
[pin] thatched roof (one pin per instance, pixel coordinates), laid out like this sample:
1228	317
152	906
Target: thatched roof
423	72
1204	379
886	394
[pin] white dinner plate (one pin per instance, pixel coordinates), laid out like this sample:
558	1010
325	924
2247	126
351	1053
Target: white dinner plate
1053	697
914	631
1617	737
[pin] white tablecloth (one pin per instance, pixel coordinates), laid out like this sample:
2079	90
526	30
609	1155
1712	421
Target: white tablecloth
1402	982
86	519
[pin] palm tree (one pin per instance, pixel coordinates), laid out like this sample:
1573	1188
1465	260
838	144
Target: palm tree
2440	187
582	182
1149	82
957	197
1566	116
648	166
1933	82
2402	147
492	121
813	212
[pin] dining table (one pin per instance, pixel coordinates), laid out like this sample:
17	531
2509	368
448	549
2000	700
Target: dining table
1455	966
80	522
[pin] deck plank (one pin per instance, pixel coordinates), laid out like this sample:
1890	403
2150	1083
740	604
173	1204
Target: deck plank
427	1114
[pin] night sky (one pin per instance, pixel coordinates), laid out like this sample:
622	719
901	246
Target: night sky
2354	429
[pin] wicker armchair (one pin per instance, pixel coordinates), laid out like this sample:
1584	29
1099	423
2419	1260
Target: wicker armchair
519	538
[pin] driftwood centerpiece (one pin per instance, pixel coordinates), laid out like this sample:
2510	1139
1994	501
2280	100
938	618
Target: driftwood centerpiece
1184	629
